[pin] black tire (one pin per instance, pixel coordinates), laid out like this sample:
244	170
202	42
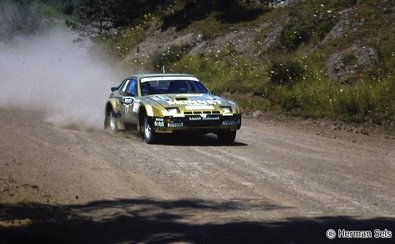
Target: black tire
149	134
110	122
226	137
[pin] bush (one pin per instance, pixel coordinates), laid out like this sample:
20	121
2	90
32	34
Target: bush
303	26
125	39
171	55
68	9
348	104
236	11
294	34
285	73
349	59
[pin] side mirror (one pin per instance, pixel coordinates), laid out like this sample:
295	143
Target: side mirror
127	100
113	89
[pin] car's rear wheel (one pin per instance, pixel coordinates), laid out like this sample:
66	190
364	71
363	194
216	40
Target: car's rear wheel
149	134
110	122
226	137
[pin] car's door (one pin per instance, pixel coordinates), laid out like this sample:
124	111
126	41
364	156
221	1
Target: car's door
117	93
128	102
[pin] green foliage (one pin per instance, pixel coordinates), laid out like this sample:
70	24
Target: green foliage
293	82
319	97
59	8
314	20
296	33
313	96
336	4
183	13
171	55
68	8
285	73
107	14
236	11
212	71
224	71
349	59
98	13
126	39
365	102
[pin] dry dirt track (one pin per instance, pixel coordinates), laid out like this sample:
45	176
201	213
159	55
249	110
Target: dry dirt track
281	182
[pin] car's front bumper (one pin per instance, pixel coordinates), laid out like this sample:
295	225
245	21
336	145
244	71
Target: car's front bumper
197	122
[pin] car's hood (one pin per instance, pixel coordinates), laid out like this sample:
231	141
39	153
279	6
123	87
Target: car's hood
189	101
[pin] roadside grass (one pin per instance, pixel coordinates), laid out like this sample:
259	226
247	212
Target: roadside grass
211	27
125	39
291	77
313	95
319	97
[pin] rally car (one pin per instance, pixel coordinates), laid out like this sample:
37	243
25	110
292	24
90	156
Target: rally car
156	104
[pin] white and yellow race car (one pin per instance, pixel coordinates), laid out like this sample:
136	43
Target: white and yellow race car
169	103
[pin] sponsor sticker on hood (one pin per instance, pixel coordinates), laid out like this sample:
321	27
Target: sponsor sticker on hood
202	101
161	98
194	102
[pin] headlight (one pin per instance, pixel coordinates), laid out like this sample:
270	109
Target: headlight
226	110
173	110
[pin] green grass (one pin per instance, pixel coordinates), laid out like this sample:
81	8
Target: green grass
291	77
312	95
125	39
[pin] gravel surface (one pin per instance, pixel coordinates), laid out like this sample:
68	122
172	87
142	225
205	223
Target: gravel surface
282	181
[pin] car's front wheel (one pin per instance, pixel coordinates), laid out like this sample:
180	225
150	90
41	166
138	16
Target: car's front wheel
226	137
149	133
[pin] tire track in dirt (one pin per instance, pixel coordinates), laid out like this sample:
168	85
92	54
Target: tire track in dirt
300	173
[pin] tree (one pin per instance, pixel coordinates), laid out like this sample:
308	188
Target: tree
97	13
105	14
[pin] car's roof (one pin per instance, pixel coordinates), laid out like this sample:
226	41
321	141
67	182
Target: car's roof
150	75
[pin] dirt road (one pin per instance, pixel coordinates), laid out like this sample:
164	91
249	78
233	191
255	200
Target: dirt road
283	182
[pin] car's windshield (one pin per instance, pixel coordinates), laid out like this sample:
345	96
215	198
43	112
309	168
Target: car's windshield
152	86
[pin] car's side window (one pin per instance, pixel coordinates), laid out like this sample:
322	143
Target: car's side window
122	83
116	88
122	91
131	88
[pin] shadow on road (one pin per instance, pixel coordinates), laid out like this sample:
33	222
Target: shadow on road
194	140
184	139
153	221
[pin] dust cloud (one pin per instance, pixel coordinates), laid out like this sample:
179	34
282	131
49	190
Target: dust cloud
50	73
